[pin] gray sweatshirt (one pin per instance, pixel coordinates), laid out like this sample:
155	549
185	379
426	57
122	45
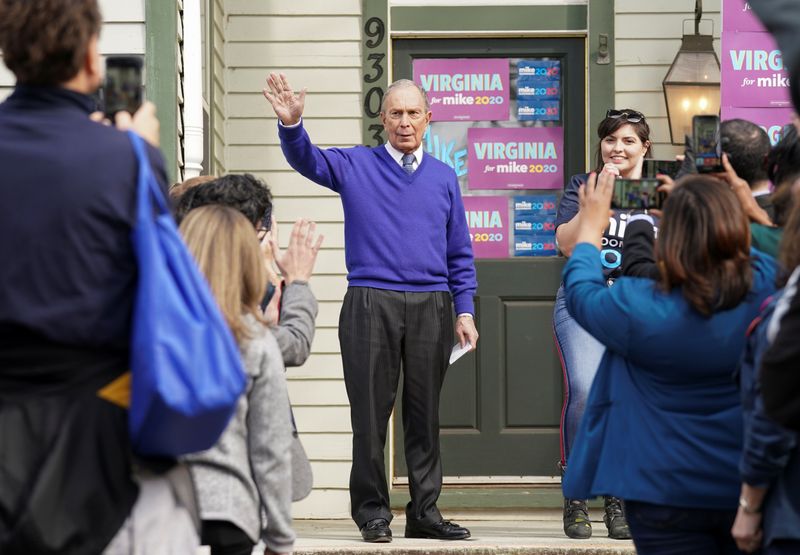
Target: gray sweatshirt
249	469
295	329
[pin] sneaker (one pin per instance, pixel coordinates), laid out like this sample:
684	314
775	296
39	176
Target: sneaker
615	519
576	519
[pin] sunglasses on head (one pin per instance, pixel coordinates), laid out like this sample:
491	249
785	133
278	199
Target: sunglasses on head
632	116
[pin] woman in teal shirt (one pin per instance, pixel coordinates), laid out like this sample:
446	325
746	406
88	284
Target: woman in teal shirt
663	423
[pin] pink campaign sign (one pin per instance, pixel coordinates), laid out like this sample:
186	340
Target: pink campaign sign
465	89
738	16
515	158
487	218
772	120
753	75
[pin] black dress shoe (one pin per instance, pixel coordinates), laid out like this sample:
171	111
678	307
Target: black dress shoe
442	530
376	531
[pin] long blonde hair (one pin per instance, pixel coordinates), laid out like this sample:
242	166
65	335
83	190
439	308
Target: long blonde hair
226	249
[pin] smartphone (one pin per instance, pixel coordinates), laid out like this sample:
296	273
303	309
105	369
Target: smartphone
123	85
637	194
652	168
706	144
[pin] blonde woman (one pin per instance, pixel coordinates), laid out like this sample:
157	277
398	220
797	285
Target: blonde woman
249	470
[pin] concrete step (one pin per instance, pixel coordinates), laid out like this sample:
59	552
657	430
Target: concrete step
535	532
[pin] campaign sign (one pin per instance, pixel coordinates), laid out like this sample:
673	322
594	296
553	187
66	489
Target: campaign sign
487	218
515	158
538	80
753	74
539	69
534	224
772	120
538	110
538	205
544	90
473	89
738	16
535	245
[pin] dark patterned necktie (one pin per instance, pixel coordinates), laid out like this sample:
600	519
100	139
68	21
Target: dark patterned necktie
408	163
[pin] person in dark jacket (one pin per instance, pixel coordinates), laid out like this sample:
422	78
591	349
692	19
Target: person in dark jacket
769	507
67	285
779	374
780	365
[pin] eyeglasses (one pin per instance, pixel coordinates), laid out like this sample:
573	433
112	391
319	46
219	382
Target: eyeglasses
264	225
632	116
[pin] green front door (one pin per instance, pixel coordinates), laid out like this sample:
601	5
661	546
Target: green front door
501	406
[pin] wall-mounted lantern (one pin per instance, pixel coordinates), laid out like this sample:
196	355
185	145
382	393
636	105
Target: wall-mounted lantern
691	86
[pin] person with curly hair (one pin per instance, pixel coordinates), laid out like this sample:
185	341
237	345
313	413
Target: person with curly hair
68	481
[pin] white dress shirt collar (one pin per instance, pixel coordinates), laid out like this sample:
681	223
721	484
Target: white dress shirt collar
398	156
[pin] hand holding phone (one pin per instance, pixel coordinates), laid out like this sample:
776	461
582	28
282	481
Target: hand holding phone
144	122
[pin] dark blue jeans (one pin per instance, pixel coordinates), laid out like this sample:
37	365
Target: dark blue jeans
664	530
580	357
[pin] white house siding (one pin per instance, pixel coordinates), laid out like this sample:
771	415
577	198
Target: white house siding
647	38
316	43
123	33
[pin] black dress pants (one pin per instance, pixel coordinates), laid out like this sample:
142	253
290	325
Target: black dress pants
381	331
225	538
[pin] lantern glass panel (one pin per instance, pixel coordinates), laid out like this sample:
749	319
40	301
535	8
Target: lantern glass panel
694	67
686	101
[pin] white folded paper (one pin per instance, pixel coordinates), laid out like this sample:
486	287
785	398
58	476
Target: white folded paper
459	351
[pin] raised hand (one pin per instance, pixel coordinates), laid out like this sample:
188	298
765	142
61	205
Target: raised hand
297	261
595	200
743	193
288	106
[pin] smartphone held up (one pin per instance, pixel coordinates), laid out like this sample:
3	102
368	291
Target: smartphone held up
122	89
707	144
652	168
637	194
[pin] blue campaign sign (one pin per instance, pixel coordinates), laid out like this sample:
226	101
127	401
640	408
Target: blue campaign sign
535	205
538	110
535	245
539	69
534	224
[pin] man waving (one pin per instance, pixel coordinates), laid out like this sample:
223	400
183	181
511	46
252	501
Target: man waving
409	260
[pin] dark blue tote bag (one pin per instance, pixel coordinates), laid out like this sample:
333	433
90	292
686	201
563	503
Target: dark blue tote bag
186	370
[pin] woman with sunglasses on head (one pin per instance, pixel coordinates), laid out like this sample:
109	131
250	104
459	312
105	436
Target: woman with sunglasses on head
663	423
624	142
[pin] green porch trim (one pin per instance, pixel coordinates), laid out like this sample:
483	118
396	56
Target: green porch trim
489	18
601	76
161	65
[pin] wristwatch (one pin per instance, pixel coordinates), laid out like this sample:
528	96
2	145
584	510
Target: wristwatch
748	508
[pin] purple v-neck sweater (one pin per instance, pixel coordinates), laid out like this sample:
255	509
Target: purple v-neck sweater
402	232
